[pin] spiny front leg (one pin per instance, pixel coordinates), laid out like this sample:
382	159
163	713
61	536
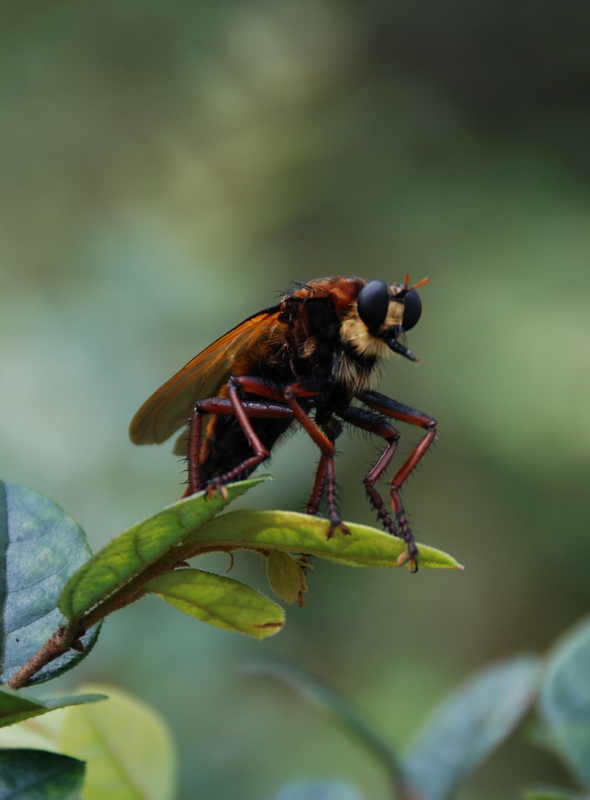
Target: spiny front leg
396	410
366	420
399	479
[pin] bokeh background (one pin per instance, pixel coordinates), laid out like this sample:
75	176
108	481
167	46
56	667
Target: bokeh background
168	167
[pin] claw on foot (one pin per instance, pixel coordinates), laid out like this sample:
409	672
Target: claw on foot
336	525
216	488
410	559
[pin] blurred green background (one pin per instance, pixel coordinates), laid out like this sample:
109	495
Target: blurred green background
167	169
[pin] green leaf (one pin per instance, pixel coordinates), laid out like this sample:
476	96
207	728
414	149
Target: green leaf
138	548
302	533
318	790
17	706
38	775
470	724
127	746
220	601
328	700
286	576
40	547
565	699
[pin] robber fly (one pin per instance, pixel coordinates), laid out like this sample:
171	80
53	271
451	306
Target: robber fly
307	360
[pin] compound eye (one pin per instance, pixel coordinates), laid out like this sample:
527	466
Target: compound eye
373	304
412	309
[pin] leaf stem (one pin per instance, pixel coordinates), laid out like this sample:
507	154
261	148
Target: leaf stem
64	637
53	648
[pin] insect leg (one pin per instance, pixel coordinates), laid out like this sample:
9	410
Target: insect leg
243	410
332	427
370	422
326	472
392	408
289	395
313	504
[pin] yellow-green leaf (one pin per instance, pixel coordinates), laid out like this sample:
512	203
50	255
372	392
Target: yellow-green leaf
285	575
220	601
127	556
301	533
126	745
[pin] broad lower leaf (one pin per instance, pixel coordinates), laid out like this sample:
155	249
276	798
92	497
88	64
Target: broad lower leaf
318	790
38	775
330	701
135	550
302	533
126	745
565	699
471	723
17	706
286	576
40	548
220	601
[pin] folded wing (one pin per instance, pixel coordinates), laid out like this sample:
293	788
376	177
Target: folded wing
235	353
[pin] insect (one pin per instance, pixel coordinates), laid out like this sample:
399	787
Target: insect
312	359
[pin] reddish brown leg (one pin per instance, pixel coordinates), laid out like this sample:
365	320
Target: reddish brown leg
243	410
289	395
313	504
368	421
392	408
328	481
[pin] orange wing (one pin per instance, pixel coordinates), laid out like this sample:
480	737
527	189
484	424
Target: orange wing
171	406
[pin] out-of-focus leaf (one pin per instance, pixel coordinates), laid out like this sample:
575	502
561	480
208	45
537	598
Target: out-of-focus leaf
470	724
327	699
538	734
38	775
220	601
28	735
550	793
302	533
126	745
17	706
138	548
318	790
565	699
285	575
40	548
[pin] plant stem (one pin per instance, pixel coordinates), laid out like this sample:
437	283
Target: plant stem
62	639
53	648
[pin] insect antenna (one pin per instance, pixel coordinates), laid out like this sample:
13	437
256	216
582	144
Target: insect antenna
415	285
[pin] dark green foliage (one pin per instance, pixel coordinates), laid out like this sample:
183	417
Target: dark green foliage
17	706
38	775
